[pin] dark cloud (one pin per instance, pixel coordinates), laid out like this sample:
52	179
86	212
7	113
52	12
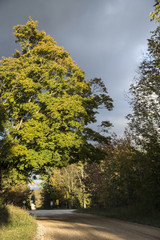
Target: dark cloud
106	38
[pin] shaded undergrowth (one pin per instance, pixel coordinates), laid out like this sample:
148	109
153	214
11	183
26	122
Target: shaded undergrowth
4	215
138	214
16	224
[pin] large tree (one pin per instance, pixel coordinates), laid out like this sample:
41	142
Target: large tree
145	119
47	105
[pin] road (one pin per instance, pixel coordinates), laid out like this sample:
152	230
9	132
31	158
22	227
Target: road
68	225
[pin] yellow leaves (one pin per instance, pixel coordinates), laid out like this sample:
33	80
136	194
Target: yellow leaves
155	15
48	39
66	196
18	150
32	23
34	131
12	100
27	84
68	139
50	101
60	53
58	69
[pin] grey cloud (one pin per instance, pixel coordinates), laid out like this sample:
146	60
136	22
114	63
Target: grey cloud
106	38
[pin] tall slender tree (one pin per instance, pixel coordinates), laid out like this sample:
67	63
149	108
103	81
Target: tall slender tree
145	119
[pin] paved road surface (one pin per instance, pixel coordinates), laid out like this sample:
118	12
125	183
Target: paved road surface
68	225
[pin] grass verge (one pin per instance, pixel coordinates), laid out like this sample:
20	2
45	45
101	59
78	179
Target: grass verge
16	224
137	214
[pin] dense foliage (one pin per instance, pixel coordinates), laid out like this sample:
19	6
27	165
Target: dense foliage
18	194
144	122
123	178
46	105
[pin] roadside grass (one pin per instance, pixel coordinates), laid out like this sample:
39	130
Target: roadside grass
137	214
16	224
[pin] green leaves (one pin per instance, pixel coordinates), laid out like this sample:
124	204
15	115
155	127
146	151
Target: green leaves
144	121
47	100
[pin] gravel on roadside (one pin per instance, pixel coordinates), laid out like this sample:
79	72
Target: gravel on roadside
40	232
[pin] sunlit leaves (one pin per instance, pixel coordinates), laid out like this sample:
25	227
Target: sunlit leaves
47	100
155	15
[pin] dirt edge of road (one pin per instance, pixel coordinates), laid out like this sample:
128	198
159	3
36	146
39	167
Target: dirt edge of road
41	230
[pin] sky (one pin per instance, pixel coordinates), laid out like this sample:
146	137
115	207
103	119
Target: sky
106	38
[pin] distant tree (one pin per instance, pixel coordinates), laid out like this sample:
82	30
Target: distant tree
95	183
19	195
123	178
68	185
46	106
128	174
38	197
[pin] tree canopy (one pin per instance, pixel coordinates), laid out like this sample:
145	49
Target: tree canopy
145	119
46	105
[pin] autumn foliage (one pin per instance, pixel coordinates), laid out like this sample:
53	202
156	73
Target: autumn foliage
46	105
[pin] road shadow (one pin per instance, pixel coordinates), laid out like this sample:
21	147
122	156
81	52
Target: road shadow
94	227
66	226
